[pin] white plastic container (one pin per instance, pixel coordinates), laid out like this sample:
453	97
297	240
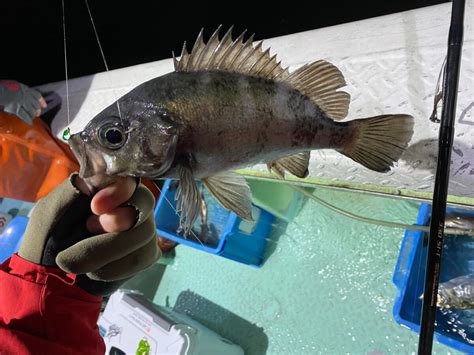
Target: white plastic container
131	324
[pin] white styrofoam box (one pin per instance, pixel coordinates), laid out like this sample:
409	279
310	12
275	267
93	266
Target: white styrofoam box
391	64
131	323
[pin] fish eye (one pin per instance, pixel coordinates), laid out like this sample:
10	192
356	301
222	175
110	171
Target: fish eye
112	136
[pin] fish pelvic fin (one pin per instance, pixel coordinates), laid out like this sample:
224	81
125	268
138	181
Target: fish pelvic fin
225	54
232	192
188	199
296	164
379	141
319	82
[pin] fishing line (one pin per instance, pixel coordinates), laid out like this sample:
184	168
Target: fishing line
66	132
103	57
453	231
117	102
438	95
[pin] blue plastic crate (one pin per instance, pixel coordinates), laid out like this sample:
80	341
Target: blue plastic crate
457	260
240	240
11	237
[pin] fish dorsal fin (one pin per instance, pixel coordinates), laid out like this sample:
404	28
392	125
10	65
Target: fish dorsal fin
319	81
296	164
229	55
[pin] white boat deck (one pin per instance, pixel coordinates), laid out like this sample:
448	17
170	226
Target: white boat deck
391	65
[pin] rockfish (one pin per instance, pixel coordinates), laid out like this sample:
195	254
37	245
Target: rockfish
457	293
454	220
228	105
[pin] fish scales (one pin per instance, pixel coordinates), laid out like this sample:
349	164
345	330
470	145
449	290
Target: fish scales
244	120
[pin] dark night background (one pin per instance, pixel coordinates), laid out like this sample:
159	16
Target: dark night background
138	31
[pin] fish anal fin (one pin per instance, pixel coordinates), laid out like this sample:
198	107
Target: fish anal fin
296	164
274	167
319	81
188	199
232	192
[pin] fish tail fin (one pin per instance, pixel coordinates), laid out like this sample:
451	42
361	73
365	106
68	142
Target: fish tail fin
379	141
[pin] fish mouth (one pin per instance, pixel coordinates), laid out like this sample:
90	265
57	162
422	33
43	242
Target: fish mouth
91	162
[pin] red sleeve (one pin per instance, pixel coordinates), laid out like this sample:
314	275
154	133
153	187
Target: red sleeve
41	310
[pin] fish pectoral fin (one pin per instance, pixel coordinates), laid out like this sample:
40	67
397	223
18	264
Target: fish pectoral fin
232	192
188	199
296	164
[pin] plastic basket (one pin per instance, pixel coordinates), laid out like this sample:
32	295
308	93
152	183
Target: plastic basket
239	240
457	260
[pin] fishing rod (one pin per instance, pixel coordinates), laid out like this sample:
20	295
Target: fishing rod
440	194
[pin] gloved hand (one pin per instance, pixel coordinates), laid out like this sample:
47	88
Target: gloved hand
104	239
20	100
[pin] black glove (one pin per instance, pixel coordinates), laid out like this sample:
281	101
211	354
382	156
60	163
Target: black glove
57	236
19	99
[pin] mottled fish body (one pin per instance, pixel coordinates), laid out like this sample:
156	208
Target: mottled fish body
459	221
457	293
274	120
229	104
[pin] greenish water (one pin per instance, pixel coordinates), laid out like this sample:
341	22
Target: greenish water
326	289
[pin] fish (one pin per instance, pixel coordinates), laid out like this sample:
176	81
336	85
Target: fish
229	104
457	293
459	221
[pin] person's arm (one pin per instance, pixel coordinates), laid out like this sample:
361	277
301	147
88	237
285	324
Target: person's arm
75	250
42	311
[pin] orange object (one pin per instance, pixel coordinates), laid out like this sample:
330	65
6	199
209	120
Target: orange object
33	162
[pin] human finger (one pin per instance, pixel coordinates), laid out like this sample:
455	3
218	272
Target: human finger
42	102
119	220
34	93
24	115
32	108
113	195
81	185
